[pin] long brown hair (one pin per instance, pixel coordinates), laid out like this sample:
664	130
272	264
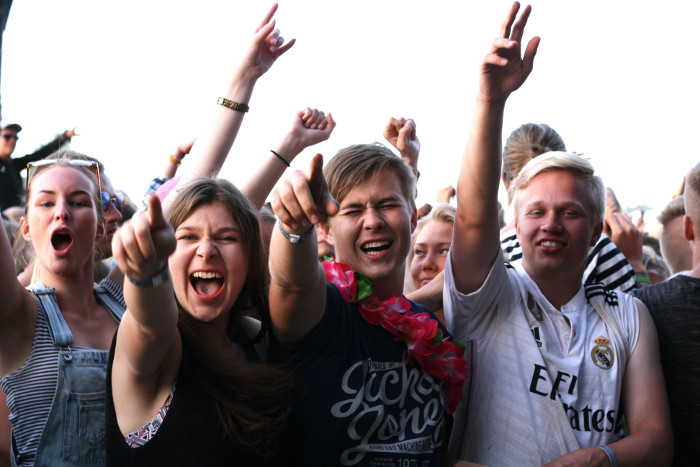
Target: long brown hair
252	398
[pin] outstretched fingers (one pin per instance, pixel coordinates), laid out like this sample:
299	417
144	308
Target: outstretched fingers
268	17
519	26
510	19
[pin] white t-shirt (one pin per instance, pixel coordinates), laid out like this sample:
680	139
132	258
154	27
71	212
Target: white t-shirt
541	387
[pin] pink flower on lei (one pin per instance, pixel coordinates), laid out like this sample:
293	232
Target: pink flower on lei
343	278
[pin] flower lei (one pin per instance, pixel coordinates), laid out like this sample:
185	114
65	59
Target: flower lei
438	357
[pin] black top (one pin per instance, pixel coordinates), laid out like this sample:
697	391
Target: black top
675	307
362	403
190	434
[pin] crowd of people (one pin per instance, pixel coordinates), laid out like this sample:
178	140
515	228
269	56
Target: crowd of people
324	318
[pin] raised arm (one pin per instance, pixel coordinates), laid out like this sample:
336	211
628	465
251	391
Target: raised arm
211	148
148	349
17	312
298	281
476	230
309	127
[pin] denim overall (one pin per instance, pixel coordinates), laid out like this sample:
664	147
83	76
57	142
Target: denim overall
74	430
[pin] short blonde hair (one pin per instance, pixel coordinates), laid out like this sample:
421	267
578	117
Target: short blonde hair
595	189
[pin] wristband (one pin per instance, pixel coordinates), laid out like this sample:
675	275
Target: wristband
233	105
153	281
293	238
284	161
642	278
611	455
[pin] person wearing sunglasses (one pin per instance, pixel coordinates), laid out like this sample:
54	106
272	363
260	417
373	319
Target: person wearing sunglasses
11	188
54	335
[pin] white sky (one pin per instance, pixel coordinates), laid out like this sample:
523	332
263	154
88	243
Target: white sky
617	79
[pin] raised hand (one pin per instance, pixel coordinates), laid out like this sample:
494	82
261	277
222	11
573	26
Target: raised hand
401	133
142	245
444	195
504	70
267	46
626	237
304	198
309	127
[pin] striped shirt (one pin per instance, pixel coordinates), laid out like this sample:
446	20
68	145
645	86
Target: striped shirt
606	264
30	390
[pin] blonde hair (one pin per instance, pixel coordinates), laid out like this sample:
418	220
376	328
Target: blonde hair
524	144
595	190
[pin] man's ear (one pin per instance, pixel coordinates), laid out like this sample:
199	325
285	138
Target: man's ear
414	219
688	231
597	230
325	230
24	229
101	231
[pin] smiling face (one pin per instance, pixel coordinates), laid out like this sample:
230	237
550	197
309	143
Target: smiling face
372	231
62	221
430	251
556	228
209	266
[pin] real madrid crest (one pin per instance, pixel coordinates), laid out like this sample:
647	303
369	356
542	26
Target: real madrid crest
602	354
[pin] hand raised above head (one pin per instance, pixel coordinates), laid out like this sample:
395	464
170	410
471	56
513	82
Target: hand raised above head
503	69
304	198
267	46
401	133
309	127
142	245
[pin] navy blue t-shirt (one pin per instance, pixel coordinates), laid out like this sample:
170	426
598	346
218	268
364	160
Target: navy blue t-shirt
361	403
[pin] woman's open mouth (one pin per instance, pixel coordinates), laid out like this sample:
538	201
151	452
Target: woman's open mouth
61	240
207	285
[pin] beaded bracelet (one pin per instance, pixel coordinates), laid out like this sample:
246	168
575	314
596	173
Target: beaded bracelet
233	105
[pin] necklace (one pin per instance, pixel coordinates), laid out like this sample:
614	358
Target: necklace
439	357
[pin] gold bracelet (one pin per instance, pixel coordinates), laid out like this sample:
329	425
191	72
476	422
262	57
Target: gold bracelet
233	105
173	160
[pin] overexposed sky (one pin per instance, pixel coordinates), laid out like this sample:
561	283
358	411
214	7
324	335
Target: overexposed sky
618	80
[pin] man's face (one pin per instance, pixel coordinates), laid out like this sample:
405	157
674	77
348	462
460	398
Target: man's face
8	141
112	216
556	228
372	231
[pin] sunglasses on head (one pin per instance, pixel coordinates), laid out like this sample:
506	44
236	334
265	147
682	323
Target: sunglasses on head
10	136
117	201
78	163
